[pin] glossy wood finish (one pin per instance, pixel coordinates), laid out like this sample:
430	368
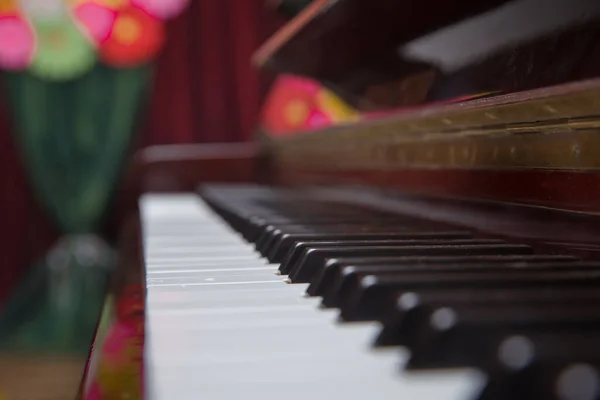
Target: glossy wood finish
180	168
57	377
567	190
549	109
530	148
264	55
125	297
159	168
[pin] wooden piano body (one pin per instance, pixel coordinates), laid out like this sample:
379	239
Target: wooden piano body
523	166
520	168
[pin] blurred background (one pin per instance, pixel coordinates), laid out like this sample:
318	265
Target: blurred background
204	89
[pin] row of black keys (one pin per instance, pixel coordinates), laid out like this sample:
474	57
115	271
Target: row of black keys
527	320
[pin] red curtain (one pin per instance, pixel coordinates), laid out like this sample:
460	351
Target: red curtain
205	91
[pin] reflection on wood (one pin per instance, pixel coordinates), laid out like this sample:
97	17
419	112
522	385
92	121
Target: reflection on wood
55	377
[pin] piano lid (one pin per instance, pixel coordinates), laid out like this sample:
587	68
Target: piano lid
386	60
329	35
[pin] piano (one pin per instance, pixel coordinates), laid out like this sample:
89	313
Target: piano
446	251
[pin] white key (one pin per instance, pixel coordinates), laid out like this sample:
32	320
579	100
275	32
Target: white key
221	325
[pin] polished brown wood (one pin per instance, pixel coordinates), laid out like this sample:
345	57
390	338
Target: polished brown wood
57	377
577	191
181	168
124	302
534	148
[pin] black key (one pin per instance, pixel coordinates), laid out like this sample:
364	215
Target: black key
273	237
458	336
518	351
286	242
303	253
314	259
328	280
548	379
297	243
300	249
547	365
402	325
270	231
351	276
375	294
257	225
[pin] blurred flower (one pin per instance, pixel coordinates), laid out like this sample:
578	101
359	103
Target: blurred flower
111	4
8	7
63	51
318	119
296	104
97	20
335	107
43	9
17	43
136	38
289	104
61	39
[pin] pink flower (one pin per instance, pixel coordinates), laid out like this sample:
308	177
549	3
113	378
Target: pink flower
17	43
318	119
97	20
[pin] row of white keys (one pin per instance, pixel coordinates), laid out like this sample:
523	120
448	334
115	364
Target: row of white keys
220	324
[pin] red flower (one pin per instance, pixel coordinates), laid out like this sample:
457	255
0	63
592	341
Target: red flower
136	38
289	105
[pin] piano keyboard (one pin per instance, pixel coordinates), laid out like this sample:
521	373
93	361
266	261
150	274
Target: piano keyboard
267	294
